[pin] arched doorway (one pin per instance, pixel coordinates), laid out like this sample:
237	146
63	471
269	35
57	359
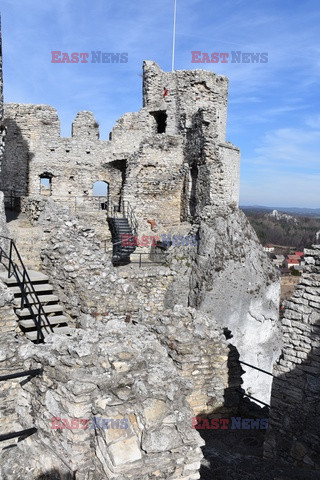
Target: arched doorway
100	188
101	192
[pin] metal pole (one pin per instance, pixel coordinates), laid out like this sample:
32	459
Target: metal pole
174	33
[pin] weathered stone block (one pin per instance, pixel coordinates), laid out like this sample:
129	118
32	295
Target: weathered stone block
125	451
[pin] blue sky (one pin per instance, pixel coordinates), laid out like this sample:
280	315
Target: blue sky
273	115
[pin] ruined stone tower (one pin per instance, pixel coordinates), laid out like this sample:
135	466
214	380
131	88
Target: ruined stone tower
169	160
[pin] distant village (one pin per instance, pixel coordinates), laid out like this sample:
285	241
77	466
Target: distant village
288	263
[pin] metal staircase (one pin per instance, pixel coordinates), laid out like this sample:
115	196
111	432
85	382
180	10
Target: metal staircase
36	307
122	222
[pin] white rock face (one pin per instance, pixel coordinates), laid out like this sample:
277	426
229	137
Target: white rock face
233	281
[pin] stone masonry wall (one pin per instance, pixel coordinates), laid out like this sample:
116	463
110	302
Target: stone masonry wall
8	319
9	420
188	91
85	279
294	424
111	371
140	163
199	350
75	261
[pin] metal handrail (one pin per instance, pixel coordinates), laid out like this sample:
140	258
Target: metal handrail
22	433
75	202
122	208
252	398
24	283
26	373
256	368
149	262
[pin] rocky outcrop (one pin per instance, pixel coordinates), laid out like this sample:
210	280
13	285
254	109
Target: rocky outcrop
233	281
294	426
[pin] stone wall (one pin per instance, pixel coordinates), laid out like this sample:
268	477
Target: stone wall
294	425
199	350
188	91
148	160
111	371
138	348
81	271
11	394
84	277
8	319
87	283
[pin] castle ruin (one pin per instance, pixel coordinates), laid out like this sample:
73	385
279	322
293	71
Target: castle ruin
139	332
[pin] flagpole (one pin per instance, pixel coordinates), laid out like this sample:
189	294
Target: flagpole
174	33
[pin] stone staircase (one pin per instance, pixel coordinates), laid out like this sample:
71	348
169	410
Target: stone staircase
44	294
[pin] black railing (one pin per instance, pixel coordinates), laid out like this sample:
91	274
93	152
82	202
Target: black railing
26	373
119	208
141	258
22	434
252	398
266	373
29	431
128	213
77	203
256	368
17	269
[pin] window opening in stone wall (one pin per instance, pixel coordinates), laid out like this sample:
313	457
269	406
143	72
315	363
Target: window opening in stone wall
161	121
101	190
46	184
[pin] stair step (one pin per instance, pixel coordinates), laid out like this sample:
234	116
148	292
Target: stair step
33	335
41	287
34	277
55	320
47	309
43	299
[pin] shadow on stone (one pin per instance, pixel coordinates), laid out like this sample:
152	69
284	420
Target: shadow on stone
14	177
56	475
